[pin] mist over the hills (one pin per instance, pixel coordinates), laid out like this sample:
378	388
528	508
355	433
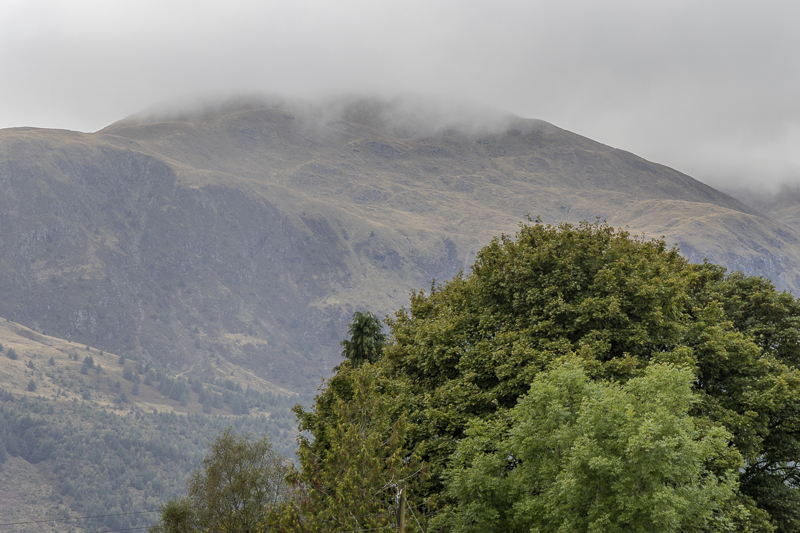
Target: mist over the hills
708	89
403	115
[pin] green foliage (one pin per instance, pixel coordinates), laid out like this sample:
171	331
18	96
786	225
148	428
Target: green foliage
350	470
111	462
366	339
585	456
177	516
11	354
471	348
577	380
240	483
31	386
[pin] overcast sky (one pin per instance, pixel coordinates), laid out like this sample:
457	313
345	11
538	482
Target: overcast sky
710	87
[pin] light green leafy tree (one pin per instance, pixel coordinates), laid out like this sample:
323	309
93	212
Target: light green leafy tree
589	456
240	485
177	516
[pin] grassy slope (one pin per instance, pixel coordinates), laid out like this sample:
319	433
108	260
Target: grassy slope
62	381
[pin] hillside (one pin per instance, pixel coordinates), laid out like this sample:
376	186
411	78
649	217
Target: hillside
246	233
84	434
782	204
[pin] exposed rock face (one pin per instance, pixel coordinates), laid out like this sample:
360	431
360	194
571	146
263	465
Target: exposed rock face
251	232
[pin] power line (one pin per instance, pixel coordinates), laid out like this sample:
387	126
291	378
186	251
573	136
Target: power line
411	508
369	529
117	530
415	519
75	518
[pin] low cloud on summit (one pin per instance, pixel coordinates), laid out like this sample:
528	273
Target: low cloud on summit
707	88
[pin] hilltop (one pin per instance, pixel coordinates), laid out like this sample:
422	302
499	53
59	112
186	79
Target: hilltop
245	233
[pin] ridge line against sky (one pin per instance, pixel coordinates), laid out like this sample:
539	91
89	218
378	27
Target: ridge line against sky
707	88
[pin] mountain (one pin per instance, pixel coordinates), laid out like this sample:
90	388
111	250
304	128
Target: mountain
782	204
245	233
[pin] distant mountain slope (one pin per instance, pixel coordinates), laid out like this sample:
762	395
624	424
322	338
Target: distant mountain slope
250	231
782	204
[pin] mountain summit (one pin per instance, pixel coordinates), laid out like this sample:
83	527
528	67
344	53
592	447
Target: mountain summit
249	230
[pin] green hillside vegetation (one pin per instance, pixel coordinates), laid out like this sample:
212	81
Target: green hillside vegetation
577	379
102	436
211	260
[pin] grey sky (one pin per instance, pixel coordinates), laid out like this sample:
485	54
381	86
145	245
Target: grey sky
708	87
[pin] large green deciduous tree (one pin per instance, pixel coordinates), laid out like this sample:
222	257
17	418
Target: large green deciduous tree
585	456
468	350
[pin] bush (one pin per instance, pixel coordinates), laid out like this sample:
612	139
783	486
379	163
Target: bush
31	386
11	354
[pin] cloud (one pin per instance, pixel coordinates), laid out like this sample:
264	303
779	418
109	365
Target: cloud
706	87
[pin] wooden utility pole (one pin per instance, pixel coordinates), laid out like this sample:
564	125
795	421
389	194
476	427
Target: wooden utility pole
401	508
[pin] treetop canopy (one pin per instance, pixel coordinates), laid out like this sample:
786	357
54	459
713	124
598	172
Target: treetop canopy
466	352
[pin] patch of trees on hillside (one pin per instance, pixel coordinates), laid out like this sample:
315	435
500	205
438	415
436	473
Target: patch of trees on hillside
123	463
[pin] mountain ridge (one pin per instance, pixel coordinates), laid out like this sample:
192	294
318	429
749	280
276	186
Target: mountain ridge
249	232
